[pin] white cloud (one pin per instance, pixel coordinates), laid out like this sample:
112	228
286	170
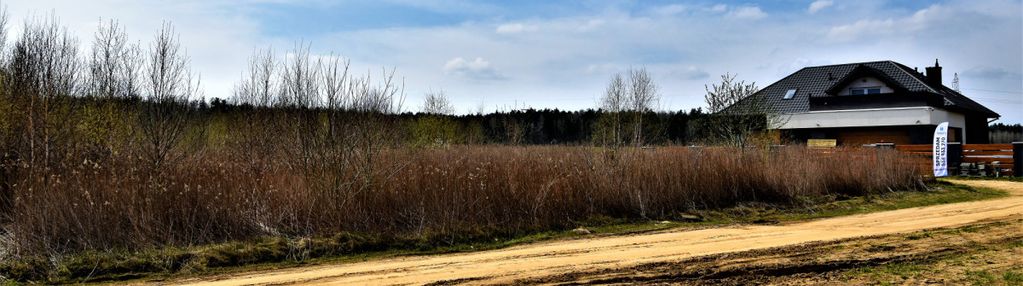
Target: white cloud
603	69
861	28
478	69
691	73
819	5
719	8
747	13
513	28
919	20
670	10
590	25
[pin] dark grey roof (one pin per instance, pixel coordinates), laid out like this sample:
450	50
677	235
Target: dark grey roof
815	81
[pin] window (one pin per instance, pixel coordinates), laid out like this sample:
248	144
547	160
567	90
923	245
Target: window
865	90
790	94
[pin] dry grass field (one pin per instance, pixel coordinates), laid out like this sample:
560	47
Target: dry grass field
114	165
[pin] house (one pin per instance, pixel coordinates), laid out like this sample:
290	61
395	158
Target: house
872	102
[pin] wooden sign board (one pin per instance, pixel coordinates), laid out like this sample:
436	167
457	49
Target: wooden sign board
821	143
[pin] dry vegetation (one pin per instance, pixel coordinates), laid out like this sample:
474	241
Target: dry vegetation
112	150
454	193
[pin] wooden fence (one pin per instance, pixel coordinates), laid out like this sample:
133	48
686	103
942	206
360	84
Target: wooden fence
1001	159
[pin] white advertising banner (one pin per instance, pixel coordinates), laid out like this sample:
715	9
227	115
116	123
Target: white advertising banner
941	150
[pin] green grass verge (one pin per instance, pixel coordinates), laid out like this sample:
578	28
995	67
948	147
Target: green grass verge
1009	179
278	252
939	193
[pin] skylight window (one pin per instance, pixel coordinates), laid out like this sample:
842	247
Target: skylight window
790	94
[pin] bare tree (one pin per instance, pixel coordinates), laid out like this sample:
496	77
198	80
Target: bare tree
736	114
335	79
643	95
374	103
132	67
43	77
4	17
300	93
634	95
436	102
6	136
300	83
613	103
106	62
387	96
335	85
259	86
114	64
112	75
170	86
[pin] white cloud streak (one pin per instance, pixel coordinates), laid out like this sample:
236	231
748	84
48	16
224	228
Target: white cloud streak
748	13
514	28
477	69
818	5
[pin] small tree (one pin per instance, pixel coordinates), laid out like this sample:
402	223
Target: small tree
736	115
113	74
613	104
41	79
259	86
437	103
300	79
642	97
634	96
434	127
170	86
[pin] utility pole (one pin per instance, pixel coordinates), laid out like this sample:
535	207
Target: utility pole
955	82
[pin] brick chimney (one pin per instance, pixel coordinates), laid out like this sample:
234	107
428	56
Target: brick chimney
934	74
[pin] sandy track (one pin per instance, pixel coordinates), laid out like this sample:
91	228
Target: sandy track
568	256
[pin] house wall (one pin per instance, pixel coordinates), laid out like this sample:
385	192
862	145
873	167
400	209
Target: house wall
866	82
856	136
877	117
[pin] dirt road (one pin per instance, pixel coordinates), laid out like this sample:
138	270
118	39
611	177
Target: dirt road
558	258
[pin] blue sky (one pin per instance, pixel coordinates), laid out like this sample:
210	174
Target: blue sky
559	54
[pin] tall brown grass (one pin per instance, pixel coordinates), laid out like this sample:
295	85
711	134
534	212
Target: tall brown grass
452	192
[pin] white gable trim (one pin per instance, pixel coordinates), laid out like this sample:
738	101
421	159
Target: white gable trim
900	116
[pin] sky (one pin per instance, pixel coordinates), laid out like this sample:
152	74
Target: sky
500	55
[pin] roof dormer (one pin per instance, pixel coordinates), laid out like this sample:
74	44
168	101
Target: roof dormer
865	85
865	80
